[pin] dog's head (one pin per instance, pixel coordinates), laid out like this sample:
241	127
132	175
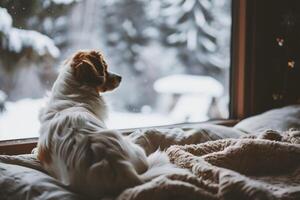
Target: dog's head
89	68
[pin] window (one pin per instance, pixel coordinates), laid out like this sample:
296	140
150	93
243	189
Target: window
173	55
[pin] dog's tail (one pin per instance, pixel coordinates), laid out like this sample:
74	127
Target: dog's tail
159	164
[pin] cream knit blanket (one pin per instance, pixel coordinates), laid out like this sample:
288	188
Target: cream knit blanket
263	167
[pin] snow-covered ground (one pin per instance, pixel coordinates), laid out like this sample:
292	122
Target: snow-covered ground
194	101
20	120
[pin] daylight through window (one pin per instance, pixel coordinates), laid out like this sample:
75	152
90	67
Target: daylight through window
173	55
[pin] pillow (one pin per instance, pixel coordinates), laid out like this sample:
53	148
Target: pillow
19	182
280	119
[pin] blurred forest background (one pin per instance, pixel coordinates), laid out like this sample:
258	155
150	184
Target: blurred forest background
143	40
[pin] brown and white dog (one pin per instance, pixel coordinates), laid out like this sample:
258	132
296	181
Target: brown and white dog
74	145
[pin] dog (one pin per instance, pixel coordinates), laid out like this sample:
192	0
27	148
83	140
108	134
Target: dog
74	144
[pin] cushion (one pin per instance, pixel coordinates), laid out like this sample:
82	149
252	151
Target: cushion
280	119
21	178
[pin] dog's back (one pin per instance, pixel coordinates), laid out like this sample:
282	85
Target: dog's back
74	146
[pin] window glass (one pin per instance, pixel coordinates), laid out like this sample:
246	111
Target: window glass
173	56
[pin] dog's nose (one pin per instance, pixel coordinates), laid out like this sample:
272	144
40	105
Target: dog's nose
119	78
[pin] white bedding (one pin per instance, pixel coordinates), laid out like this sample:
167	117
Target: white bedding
245	168
280	119
219	169
22	177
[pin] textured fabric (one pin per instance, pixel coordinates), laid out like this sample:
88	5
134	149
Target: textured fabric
18	182
229	169
28	166
281	119
264	166
153	139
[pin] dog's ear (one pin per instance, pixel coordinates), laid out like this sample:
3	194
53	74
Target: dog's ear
86	73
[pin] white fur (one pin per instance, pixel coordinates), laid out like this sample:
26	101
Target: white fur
84	155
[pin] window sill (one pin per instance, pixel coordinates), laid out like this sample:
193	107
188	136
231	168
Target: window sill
25	146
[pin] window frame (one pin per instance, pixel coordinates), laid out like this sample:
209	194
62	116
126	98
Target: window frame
26	145
239	88
238	94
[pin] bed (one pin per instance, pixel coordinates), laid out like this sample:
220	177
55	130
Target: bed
259	158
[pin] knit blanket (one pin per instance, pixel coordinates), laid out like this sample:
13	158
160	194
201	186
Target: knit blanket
256	167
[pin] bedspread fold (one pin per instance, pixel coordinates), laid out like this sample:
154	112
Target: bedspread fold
227	165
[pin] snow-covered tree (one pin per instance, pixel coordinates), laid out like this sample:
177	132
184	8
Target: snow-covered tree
31	33
125	23
34	24
197	29
123	32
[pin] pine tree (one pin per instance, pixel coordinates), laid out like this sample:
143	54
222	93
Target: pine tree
36	21
125	23
31	33
198	30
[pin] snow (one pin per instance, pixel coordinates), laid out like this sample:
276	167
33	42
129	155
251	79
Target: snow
199	17
189	84
194	95
18	39
47	3
183	23
208	44
191	108
192	37
206	4
64	1
20	119
188	5
5	22
176	38
3	96
123	120
129	28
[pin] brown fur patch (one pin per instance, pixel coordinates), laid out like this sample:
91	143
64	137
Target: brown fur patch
89	68
44	155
